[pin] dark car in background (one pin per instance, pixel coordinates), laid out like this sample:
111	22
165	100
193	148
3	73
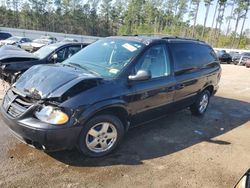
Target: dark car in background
241	58
244	60
15	41
4	35
14	61
90	100
234	54
224	57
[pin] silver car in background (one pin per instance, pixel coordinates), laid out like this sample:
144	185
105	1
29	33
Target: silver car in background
38	43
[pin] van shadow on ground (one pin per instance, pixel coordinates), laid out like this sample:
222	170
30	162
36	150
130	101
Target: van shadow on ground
170	134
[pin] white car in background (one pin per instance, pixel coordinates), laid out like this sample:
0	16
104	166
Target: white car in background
38	43
69	40
14	41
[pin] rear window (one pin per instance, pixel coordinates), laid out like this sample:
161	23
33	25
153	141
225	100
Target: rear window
189	56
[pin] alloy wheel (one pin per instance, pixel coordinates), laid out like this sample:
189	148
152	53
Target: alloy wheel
203	103
101	137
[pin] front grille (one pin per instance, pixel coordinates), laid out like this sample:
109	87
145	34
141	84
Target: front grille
14	104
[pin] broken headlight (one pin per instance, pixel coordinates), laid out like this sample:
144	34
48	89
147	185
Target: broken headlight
52	115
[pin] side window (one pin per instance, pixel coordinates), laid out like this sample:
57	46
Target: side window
24	40
188	56
61	54
72	50
183	55
155	60
206	55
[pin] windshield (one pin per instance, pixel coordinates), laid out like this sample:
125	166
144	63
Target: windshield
106	57
44	51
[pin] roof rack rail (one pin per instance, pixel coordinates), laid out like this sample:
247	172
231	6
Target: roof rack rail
183	38
147	35
135	35
162	36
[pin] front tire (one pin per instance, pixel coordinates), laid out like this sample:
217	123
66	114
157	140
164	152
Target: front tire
200	106
101	135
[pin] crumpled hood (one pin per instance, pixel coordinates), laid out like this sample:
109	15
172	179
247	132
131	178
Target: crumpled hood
14	52
51	81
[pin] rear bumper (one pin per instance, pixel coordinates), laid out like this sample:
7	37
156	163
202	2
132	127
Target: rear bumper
46	139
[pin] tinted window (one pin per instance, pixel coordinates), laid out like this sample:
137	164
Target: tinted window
72	50
155	60
191	56
26	40
61	55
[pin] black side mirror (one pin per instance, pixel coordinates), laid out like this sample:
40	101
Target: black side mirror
140	76
244	181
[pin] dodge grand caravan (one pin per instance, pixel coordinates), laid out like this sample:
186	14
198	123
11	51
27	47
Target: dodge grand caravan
90	100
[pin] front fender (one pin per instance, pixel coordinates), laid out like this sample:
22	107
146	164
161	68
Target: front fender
91	110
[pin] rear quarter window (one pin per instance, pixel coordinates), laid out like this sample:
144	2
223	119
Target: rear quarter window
190	56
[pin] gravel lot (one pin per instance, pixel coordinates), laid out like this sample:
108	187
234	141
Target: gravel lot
179	150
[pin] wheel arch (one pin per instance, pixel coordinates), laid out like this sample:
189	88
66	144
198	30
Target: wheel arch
210	88
117	109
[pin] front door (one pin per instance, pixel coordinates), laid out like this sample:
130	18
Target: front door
152	97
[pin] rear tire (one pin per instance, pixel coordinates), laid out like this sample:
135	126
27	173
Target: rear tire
200	106
100	136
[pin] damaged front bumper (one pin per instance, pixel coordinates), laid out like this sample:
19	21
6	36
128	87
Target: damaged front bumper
33	131
42	136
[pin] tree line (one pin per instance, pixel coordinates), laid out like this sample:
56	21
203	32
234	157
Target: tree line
128	17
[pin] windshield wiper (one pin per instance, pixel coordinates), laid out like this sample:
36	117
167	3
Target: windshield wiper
74	65
93	64
82	67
